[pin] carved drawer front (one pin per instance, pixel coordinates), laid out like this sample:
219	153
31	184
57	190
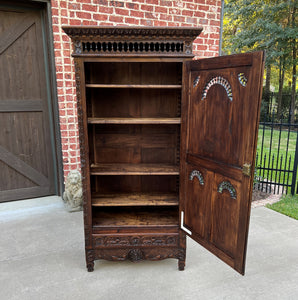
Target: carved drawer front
139	254
135	241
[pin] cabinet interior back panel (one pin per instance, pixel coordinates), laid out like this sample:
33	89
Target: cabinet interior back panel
147	144
133	73
133	103
135	184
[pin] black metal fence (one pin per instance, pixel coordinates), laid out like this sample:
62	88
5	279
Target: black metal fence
277	153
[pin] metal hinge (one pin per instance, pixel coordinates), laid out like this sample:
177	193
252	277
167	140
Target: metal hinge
246	170
182	221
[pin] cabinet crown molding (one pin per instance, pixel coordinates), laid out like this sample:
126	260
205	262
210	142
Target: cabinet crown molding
132	32
131	40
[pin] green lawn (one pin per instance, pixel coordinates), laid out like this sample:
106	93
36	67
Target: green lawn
281	156
287	206
276	136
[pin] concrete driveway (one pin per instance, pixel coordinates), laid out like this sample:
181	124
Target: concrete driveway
42	257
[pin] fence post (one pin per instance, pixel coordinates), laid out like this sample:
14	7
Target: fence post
295	167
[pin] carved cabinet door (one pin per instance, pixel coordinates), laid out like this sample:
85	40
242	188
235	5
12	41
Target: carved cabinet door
220	114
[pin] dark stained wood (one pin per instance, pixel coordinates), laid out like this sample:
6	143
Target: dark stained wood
146	136
134	86
84	153
26	149
215	166
130	199
140	184
130	154
135	217
134	143
170	41
220	115
129	110
149	238
134	120
230	61
133	32
134	169
143	103
133	74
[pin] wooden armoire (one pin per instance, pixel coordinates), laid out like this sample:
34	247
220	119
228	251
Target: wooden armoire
167	143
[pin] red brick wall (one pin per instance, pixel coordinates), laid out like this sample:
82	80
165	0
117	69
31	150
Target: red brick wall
205	13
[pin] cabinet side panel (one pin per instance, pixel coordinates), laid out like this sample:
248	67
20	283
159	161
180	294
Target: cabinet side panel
84	149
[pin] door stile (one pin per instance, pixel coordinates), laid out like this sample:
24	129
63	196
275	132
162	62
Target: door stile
258	60
183	138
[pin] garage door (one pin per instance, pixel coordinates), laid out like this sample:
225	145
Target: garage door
27	159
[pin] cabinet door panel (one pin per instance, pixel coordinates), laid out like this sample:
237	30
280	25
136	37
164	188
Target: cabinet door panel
220	114
198	187
225	206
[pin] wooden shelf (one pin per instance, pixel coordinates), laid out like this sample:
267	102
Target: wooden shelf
134	217
134	120
134	86
140	199
133	169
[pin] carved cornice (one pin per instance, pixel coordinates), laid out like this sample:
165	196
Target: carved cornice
128	40
132	32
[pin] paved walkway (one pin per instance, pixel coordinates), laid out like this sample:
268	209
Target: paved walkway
273	198
42	257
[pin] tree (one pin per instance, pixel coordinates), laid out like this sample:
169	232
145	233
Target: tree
294	73
265	25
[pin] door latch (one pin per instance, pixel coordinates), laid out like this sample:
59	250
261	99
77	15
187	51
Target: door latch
246	170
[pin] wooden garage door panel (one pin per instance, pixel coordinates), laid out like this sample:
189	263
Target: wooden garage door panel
26	156
21	64
23	138
10	179
9	18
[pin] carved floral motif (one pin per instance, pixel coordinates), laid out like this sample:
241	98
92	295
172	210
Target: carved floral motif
107	241
226	185
78	47
196	81
242	79
140	40
188	47
221	81
135	255
141	254
198	174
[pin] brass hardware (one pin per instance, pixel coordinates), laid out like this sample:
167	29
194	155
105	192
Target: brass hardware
246	170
